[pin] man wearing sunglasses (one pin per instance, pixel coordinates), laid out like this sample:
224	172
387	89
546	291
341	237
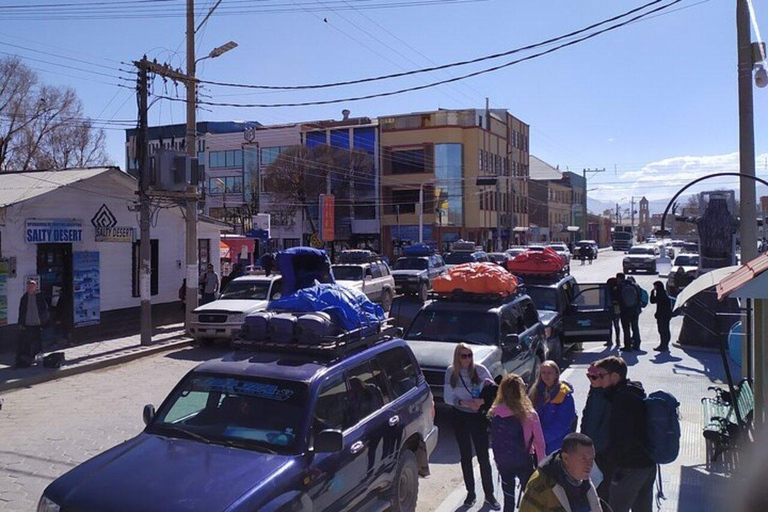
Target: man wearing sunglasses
596	423
627	454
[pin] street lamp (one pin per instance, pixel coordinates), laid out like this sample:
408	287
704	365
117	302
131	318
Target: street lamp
219	51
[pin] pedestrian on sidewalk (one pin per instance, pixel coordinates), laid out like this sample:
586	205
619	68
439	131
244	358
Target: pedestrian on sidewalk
663	315
33	315
596	424
613	293
633	470
516	436
210	282
463	386
629	312
562	481
552	399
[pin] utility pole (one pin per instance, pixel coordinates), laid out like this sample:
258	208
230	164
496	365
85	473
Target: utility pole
193	272
145	253
632	216
585	219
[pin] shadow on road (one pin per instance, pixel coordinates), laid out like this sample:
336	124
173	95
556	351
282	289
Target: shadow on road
704	491
446	451
712	364
197	353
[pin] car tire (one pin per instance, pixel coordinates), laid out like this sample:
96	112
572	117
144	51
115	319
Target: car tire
386	300
405	484
205	342
423	292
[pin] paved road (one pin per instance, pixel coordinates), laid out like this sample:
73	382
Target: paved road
46	430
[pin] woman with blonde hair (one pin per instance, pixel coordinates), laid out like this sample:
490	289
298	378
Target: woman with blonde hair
464	382
553	400
515	435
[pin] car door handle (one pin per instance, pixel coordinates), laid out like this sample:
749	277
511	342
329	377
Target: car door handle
394	420
357	447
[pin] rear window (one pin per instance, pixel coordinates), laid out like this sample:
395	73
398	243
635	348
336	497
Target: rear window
347	273
411	264
457	258
642	250
687	261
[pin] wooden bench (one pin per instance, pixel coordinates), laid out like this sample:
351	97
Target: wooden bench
723	426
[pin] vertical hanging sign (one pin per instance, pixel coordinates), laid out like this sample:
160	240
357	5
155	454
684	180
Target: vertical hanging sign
86	288
327	217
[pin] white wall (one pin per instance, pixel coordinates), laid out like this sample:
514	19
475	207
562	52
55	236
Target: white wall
81	201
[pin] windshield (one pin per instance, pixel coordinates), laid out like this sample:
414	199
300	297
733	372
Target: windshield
455	326
497	257
254	290
411	264
252	413
559	247
687	261
347	273
622	236
544	298
641	250
456	258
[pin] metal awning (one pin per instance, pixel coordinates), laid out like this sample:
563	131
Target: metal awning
701	283
747	282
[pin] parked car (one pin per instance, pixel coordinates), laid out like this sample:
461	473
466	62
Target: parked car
685	268
500	258
223	318
641	257
506	336
274	429
414	274
582	243
373	278
515	250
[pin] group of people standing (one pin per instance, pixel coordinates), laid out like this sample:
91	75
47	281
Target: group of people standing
534	438
628	300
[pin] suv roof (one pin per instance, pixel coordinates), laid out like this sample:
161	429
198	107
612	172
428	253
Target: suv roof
257	277
549	281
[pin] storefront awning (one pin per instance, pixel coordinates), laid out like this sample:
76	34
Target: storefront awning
573	229
521	229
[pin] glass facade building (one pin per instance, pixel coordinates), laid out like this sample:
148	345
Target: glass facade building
449	185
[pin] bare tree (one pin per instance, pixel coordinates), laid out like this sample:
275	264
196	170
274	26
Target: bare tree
43	126
296	179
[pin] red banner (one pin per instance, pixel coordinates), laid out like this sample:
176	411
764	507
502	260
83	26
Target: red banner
327	217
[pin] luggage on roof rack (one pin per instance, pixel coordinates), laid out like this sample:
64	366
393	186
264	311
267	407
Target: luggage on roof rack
418	250
478	279
463	246
358	256
537	263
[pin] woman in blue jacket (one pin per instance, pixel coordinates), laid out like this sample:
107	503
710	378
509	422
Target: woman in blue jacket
553	401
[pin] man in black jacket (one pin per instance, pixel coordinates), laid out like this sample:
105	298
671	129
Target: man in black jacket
633	470
663	315
33	314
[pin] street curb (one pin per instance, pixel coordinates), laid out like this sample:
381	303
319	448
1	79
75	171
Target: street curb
131	355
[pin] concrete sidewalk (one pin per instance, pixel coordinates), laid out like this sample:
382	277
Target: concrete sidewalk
91	356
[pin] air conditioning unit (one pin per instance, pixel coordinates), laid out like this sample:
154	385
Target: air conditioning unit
172	171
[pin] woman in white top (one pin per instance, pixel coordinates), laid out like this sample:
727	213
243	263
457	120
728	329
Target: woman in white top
464	381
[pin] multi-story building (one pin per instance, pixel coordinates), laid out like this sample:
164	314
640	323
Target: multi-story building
551	203
466	169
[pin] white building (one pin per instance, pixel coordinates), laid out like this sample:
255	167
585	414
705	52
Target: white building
76	231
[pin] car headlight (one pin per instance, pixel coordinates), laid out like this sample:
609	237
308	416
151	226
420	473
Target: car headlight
240	317
47	505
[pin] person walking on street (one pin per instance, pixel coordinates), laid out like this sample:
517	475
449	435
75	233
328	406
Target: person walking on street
629	312
663	315
463	386
210	282
596	423
633	470
613	293
515	434
552	399
561	483
33	315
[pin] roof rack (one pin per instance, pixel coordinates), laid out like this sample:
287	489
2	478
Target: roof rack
331	348
462	296
356	256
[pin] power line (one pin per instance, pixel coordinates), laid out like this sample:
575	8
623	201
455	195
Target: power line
440	82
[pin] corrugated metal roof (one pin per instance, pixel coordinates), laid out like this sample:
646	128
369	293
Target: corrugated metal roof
742	276
541	170
16	187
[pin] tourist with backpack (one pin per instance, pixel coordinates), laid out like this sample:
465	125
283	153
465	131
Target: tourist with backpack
552	399
516	436
663	315
628	451
630	305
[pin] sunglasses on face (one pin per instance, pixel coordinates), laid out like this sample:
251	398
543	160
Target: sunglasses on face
466	355
593	377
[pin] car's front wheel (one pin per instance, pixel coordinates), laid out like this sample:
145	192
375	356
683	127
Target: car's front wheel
405	485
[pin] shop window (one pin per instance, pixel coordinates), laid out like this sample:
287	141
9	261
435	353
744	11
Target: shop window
406	199
409	161
154	266
203	255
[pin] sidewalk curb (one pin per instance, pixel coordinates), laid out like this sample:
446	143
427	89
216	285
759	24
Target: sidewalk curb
129	355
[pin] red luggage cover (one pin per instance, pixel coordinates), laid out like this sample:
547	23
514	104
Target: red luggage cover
481	278
537	262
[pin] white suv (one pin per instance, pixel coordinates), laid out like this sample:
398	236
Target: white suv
223	318
373	278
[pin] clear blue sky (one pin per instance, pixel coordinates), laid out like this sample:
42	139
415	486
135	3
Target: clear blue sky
634	101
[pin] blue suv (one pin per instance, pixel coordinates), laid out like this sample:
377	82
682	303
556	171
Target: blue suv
284	428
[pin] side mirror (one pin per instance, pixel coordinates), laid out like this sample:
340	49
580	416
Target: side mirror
511	339
329	441
149	413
